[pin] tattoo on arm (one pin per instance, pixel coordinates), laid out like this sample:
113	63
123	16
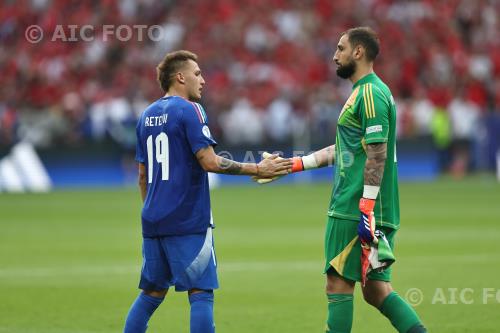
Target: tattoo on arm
375	163
325	157
229	167
330	150
212	162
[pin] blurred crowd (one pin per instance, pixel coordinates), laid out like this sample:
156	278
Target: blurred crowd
267	64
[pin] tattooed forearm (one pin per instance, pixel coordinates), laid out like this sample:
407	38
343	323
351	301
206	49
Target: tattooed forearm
325	156
212	162
330	154
229	167
375	163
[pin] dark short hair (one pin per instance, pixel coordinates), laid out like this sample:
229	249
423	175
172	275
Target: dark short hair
366	37
170	65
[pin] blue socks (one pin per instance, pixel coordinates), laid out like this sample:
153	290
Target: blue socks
202	312
140	312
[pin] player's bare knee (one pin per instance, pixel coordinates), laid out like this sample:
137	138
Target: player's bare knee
156	293
371	298
375	292
197	291
335	284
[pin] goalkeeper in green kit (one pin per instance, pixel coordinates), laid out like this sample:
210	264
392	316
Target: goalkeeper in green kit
363	215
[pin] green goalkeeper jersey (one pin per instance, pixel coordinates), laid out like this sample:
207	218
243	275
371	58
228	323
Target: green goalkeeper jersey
368	116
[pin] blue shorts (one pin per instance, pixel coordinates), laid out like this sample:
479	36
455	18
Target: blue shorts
186	262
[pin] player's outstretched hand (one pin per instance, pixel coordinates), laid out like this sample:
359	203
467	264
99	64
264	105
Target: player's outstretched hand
273	166
261	180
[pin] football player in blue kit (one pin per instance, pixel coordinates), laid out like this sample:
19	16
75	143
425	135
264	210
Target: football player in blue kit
175	153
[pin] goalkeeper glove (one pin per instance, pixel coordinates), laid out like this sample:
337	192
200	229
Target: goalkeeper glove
366	225
263	181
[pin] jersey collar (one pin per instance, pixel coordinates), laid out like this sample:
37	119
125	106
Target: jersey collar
364	79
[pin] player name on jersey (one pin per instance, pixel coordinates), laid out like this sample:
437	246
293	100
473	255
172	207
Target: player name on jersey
156	120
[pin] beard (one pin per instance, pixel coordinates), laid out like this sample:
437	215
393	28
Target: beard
347	70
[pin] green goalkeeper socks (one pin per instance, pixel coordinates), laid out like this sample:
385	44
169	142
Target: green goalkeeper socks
340	309
401	314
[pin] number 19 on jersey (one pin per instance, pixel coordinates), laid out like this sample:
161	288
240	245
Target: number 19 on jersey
161	155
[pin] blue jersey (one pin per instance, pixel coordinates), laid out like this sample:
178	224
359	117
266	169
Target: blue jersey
169	133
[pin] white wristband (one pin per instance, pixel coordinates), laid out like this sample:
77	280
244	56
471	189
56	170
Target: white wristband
370	191
309	162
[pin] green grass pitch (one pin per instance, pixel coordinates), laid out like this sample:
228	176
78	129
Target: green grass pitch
70	260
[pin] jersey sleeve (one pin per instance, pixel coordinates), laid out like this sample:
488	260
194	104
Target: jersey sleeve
139	150
374	115
196	126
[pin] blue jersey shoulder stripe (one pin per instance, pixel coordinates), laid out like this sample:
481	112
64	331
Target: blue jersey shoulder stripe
198	112
202	111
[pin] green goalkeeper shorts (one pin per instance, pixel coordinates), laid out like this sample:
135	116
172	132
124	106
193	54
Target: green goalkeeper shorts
343	250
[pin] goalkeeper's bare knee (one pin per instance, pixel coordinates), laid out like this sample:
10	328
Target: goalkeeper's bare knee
375	292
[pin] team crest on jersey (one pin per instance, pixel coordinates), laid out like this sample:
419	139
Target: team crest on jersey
206	132
350	101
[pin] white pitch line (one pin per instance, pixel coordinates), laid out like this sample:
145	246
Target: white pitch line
97	270
39	272
229	266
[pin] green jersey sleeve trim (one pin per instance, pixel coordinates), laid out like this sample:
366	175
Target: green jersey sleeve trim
376	140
